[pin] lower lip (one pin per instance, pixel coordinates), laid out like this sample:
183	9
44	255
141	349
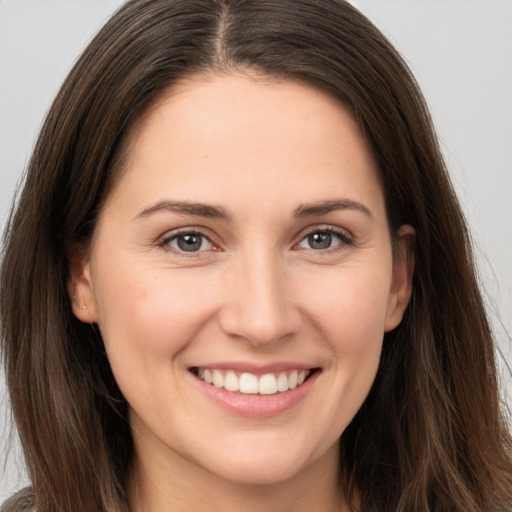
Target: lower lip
257	406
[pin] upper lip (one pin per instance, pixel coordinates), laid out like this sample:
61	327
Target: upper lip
256	369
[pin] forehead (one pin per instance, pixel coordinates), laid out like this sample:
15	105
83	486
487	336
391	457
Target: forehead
212	132
213	105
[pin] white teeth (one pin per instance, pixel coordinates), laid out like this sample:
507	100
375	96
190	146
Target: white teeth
218	379
282	382
268	384
248	383
292	379
231	381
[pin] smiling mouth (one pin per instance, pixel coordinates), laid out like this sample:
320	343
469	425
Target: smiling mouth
251	384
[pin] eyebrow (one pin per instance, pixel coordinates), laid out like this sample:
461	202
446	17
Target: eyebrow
187	208
217	212
324	207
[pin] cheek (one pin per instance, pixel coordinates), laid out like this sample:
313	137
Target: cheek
346	310
350	306
354	329
148	316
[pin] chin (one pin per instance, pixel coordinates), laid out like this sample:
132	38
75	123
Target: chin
266	463
254	473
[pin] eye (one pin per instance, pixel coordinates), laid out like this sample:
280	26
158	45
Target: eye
188	242
323	239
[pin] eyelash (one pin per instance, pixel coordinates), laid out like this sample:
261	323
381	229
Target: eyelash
346	240
166	241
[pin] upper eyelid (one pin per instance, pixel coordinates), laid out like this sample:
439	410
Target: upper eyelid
196	230
172	234
324	227
346	240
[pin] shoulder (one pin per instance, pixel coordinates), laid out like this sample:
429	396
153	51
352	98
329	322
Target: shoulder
23	501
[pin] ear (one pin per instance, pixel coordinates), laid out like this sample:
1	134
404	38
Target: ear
401	284
80	286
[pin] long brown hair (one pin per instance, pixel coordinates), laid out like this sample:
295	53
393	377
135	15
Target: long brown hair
430	436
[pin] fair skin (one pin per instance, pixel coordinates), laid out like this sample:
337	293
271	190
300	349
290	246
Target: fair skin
247	235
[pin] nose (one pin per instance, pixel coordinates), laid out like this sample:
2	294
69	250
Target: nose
258	306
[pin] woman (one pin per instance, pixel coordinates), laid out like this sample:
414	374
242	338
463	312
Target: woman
238	277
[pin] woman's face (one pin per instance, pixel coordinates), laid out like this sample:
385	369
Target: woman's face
245	243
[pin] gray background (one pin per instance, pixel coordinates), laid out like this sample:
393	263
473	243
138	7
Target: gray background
459	50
